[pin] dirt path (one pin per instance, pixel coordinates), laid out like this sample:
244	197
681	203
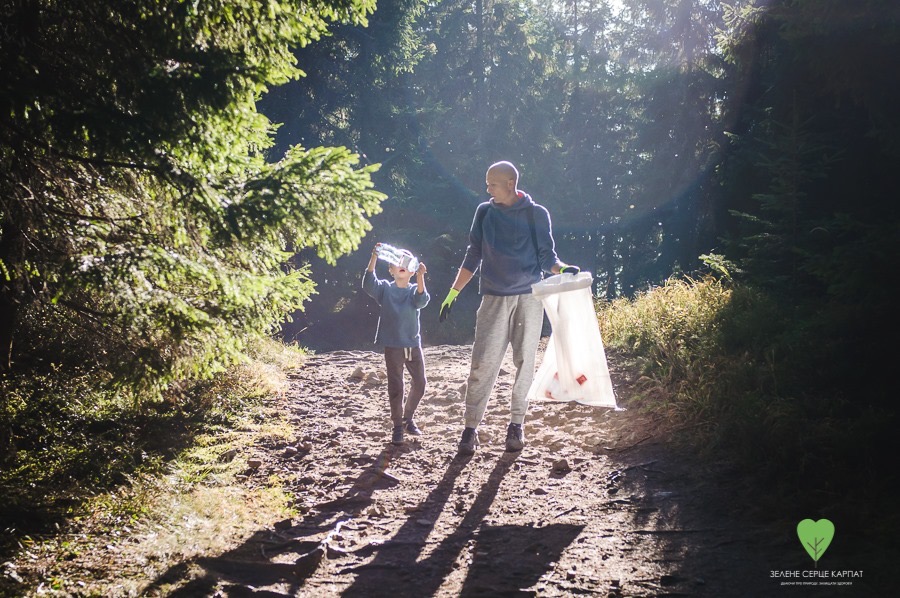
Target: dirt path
596	504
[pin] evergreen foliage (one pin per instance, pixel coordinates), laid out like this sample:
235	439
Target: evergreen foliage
144	235
810	176
145	214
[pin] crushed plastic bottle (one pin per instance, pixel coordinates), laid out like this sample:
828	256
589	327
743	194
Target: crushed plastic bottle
398	257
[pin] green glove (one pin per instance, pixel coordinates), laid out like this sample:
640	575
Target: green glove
570	270
448	304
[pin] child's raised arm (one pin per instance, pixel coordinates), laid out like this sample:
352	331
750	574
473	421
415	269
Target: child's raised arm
373	259
420	278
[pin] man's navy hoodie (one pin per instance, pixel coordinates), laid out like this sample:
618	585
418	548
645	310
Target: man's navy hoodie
500	242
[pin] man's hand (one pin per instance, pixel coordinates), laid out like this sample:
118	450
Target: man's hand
447	305
569	270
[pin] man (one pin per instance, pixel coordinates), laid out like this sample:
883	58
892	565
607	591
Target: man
512	242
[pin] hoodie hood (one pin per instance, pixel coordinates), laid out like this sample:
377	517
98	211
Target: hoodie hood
523	201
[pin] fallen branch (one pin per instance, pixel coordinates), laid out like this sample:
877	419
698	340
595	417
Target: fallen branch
567	511
631	446
669	531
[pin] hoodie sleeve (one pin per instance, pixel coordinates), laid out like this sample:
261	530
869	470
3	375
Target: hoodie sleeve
420	300
476	234
373	286
546	246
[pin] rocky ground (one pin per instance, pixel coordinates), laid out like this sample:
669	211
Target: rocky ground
598	503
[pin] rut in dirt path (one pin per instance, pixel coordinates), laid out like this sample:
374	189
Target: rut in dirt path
596	504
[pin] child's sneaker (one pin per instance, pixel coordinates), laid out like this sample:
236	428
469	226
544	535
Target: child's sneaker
412	428
397	437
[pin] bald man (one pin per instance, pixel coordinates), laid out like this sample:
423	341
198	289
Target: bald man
512	242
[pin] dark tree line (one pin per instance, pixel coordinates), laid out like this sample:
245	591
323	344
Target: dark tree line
757	134
761	135
810	185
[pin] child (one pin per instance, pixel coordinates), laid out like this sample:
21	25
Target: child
398	332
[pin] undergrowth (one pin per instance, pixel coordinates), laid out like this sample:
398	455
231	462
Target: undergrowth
741	376
91	468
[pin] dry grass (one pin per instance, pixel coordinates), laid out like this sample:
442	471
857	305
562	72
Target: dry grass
671	332
197	504
737	374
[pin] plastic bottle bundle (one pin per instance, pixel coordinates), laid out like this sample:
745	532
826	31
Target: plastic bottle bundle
398	257
574	366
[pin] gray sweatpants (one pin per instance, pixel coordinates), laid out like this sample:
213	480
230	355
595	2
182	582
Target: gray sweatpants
502	321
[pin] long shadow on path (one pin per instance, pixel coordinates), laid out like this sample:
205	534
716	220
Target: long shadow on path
252	563
506	559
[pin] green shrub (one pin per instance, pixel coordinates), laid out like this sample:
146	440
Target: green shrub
755	378
71	438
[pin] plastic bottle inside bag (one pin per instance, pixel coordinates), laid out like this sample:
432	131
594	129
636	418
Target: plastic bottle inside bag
397	257
573	367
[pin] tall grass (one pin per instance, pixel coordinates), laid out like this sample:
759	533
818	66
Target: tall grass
671	331
740	374
87	461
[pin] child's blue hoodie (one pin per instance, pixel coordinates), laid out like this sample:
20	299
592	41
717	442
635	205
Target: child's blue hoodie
398	325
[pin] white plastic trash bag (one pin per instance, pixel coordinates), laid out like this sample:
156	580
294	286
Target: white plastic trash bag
574	366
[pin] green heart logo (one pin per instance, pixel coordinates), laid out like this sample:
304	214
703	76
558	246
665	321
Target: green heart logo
815	536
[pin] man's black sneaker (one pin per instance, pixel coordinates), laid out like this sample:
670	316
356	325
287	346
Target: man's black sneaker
468	442
397	438
412	428
515	437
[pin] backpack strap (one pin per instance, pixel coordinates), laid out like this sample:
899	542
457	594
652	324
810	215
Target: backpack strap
479	221
533	232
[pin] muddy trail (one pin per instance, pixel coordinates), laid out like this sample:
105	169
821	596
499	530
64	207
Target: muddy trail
598	503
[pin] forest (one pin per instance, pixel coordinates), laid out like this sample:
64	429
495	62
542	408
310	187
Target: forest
180	180
664	137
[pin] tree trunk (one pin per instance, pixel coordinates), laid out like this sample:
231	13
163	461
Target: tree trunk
11	243
610	263
8	312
